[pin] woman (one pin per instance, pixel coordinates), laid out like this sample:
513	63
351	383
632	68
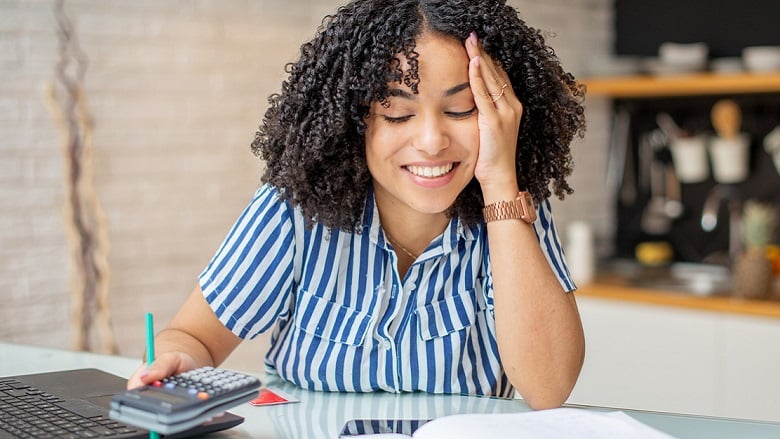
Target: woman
391	247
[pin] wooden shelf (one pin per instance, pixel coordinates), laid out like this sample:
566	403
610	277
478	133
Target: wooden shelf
614	290
646	86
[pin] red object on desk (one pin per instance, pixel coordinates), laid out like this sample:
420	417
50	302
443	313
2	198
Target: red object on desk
269	397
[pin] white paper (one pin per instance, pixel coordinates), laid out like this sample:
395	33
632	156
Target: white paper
378	436
544	424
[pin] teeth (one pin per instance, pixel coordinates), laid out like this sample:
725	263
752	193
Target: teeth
430	171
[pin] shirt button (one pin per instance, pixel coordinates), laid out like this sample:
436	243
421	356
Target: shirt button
385	344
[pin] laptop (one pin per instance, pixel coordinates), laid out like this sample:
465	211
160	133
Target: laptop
75	403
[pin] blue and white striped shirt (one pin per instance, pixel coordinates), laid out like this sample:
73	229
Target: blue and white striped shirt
344	320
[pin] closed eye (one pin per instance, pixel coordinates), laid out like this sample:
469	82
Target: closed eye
462	114
399	119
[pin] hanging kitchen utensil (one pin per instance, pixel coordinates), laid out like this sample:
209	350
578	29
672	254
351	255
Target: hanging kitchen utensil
628	191
673	206
669	127
617	148
730	150
726	118
772	146
620	170
648	144
655	220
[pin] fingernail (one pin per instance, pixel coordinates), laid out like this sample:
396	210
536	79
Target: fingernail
476	60
473	38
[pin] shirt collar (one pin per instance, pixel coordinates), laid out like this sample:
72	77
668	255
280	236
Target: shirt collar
455	231
371	223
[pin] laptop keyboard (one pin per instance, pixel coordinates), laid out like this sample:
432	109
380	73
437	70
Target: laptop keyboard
26	412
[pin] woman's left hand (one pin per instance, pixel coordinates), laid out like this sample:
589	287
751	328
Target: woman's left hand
499	118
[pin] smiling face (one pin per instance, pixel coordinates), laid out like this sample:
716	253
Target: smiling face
422	148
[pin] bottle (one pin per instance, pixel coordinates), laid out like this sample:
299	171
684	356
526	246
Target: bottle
580	253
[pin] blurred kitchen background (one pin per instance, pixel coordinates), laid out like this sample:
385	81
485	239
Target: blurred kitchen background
164	97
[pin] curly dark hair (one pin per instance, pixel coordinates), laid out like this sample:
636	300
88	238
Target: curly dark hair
312	135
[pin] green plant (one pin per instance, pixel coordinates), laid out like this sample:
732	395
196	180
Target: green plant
758	226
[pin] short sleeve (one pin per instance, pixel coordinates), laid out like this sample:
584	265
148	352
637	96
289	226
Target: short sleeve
549	242
249	281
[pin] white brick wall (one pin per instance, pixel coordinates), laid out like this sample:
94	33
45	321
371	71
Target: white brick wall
581	31
176	90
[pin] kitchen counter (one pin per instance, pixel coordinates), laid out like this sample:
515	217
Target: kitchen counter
616	288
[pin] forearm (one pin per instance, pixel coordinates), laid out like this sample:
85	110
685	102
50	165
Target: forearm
171	340
196	330
194	338
538	328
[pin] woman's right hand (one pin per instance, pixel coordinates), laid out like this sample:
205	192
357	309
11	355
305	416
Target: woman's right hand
170	363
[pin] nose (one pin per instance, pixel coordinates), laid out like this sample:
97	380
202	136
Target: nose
432	136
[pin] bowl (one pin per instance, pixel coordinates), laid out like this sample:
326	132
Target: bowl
726	65
656	66
612	66
761	58
692	56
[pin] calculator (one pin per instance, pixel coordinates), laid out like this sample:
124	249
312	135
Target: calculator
183	401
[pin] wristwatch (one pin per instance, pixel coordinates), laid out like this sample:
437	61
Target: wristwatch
521	208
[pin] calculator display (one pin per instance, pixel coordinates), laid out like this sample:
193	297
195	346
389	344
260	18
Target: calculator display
164	396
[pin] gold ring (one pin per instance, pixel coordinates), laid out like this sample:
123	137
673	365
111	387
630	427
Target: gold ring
496	96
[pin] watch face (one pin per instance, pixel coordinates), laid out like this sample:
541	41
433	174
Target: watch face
529	210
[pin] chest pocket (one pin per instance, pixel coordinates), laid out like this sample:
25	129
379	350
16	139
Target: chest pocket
449	315
330	321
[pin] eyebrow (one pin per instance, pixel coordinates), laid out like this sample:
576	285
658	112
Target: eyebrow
397	92
457	89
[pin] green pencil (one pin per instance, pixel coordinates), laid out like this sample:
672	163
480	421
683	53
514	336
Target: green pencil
150	354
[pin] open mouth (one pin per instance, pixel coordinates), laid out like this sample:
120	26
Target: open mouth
430	171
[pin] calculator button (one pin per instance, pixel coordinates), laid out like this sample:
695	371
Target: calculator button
203	395
157	383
